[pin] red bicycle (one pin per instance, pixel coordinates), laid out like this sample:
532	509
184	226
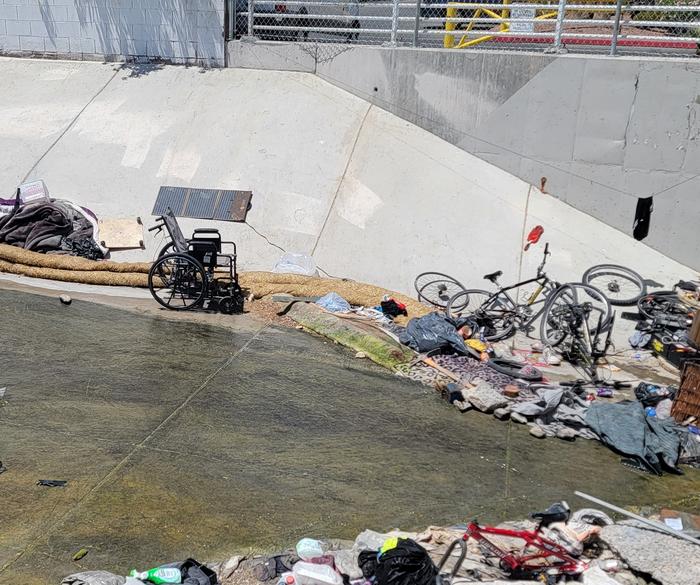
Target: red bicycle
539	558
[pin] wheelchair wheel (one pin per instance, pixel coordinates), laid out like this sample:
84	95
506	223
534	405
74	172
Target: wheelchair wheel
169	248
178	282
231	305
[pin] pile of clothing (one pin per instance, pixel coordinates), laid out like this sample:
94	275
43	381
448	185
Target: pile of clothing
51	226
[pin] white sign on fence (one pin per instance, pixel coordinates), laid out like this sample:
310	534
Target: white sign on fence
521	13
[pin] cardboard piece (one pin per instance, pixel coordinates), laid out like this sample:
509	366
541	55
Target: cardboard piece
121	233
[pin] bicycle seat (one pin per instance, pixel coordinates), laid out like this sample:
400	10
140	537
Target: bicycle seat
558	512
493	276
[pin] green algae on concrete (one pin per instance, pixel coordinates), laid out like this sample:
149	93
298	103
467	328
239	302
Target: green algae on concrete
355	334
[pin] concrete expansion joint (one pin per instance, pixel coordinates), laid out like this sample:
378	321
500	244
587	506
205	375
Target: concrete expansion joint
69	126
342	178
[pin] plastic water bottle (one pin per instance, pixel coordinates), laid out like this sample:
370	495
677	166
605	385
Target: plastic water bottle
311	574
159	575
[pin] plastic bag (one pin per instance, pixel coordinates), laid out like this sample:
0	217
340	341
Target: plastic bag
310	548
334	303
291	263
404	562
433	331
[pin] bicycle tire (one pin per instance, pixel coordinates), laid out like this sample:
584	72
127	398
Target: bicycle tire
490	313
513	369
623	275
439	292
592	516
661	302
548	315
425	279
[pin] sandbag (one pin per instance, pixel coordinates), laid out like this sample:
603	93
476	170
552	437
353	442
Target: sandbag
62	262
82	276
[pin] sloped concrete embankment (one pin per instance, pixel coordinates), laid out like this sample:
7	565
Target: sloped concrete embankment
371	196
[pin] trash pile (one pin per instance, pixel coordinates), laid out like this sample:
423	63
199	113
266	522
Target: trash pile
472	373
668	323
34	221
552	546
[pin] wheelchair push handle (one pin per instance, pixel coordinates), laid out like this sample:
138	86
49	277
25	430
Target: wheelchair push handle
160	223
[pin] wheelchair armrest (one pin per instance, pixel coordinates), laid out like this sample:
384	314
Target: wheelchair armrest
205	231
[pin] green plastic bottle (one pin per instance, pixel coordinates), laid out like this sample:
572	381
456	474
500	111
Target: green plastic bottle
159	575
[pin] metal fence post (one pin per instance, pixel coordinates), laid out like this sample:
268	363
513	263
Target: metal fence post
394	21
251	11
415	31
559	26
616	28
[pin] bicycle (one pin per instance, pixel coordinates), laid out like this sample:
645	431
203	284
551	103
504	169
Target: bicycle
572	322
539	558
663	303
499	314
621	286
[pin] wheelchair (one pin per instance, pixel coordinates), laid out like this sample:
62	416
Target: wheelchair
194	273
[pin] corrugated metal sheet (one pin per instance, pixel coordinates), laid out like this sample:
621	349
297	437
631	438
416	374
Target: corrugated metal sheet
220	204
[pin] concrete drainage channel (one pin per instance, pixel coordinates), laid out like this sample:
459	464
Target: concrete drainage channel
186	439
290	435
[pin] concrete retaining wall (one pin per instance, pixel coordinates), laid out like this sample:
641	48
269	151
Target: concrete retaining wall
177	31
601	131
370	195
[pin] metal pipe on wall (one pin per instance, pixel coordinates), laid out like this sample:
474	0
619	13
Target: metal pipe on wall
616	28
415	30
559	25
394	21
251	22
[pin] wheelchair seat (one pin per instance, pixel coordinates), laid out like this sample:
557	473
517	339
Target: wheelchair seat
209	235
493	277
558	512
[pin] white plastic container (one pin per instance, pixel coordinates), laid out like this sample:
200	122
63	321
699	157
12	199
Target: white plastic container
310	574
310	548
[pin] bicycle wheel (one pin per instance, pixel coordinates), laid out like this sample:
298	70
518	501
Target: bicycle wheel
621	286
178	282
515	369
557	311
663	302
494	312
436	288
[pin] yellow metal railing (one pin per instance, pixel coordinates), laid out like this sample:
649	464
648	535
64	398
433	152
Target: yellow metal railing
465	41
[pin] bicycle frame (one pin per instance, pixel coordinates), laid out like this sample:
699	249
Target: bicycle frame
542	280
518	564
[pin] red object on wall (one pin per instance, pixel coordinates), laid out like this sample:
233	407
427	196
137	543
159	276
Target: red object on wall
534	236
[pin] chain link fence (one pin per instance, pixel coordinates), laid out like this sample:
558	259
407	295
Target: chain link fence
632	27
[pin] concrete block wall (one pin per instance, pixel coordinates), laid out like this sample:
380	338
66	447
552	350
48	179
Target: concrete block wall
177	31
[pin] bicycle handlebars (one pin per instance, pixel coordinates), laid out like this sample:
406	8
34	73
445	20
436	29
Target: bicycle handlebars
544	259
